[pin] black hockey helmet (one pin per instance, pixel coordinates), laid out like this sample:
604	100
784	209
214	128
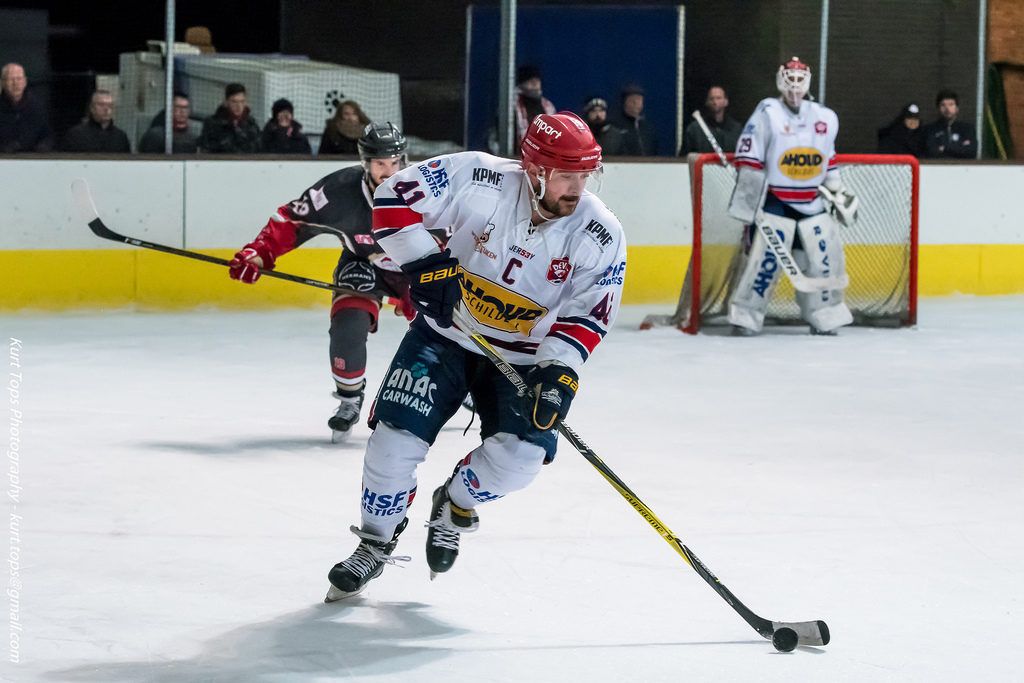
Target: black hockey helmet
382	141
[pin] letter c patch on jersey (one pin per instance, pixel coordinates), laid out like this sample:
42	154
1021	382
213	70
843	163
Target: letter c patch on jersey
801	163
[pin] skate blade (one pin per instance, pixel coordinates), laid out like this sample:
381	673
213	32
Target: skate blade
335	594
340	437
433	575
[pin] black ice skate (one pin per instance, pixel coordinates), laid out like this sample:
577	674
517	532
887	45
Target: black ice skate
345	416
350	576
447	522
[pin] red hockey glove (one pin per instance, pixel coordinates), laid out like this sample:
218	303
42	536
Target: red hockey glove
403	306
249	261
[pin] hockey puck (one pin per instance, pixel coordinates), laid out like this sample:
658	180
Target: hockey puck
784	639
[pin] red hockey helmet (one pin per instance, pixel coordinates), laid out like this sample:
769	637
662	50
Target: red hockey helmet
561	141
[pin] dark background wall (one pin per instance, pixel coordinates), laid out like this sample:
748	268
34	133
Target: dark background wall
882	54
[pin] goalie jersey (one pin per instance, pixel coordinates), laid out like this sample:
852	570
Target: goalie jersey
796	150
539	293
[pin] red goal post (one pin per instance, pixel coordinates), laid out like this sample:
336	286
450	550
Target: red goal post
880	248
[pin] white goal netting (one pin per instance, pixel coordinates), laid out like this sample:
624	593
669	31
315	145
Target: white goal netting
880	247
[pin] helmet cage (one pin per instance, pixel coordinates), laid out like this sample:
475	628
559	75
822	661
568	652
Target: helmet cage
793	81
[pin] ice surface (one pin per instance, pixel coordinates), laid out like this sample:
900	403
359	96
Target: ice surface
182	506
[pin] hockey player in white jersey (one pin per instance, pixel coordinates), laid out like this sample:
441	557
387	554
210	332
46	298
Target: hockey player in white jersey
538	263
788	144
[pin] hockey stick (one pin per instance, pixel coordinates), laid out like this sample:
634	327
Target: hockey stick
807	632
801	282
87	211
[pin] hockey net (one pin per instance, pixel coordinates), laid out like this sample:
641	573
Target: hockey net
880	248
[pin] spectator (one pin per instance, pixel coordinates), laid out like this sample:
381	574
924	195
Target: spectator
903	135
231	130
23	122
725	128
183	141
595	112
97	132
638	138
530	101
344	129
283	134
948	138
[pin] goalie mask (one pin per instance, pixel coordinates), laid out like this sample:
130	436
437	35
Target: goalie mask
562	143
382	141
793	81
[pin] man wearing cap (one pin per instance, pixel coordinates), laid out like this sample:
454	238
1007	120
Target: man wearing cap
639	138
595	112
283	134
725	128
948	137
903	135
231	130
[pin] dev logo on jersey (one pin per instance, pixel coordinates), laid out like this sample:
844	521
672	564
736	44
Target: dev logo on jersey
801	163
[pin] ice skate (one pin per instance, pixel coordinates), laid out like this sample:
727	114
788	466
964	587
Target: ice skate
447	522
350	576
740	331
345	417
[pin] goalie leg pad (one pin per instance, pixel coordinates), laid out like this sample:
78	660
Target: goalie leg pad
760	275
503	463
389	478
823	256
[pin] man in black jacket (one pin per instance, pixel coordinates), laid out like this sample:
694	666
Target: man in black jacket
639	138
97	133
23	123
595	112
183	140
283	134
725	128
903	135
231	130
948	138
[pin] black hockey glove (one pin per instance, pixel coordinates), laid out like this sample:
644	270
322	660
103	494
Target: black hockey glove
553	388
434	285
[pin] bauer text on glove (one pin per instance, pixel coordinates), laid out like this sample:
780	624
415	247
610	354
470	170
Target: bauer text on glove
434	285
553	387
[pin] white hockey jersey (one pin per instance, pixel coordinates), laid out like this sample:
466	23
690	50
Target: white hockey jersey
796	150
544	293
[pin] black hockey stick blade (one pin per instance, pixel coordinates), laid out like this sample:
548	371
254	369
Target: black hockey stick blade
87	212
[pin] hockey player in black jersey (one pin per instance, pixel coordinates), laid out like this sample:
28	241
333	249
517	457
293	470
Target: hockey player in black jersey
340	204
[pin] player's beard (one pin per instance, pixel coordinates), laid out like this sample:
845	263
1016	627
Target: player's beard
561	207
